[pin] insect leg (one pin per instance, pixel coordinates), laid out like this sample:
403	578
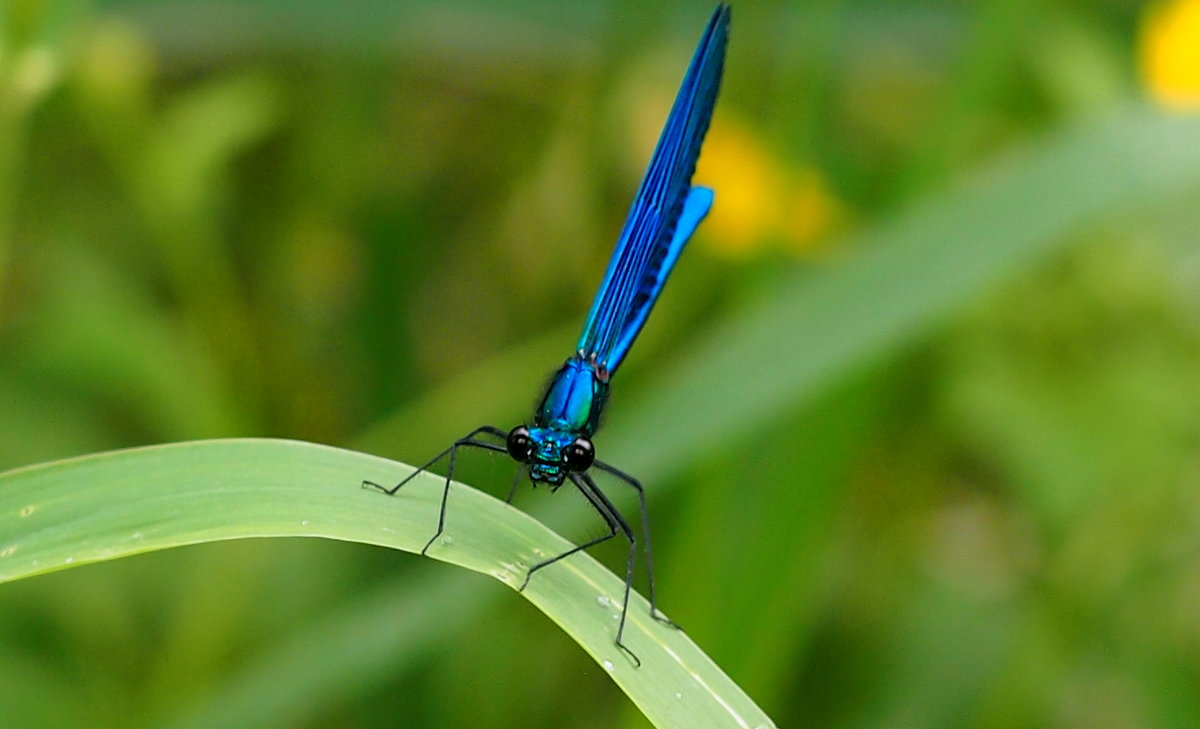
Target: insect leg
641	492
624	527
466	441
468	438
611	520
512	491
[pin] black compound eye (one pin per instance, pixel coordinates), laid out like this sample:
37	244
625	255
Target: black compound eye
579	455
520	445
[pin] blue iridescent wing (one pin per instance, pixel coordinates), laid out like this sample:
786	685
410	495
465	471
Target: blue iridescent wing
665	211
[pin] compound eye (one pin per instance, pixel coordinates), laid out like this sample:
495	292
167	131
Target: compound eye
579	455
520	445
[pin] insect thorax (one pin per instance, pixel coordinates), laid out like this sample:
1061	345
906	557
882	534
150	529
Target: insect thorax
574	399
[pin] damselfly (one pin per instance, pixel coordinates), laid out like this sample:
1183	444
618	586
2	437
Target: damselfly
557	447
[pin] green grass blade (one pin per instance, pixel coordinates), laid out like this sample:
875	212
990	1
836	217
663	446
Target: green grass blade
111	505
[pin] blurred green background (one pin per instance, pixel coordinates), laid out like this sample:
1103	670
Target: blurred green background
379	224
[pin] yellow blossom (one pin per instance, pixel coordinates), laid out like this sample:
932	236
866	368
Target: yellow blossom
758	199
1169	51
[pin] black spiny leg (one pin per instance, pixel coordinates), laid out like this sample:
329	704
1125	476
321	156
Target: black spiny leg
611	519
654	612
512	490
599	495
615	522
452	451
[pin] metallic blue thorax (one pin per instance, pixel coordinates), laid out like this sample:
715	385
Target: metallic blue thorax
573	402
570	409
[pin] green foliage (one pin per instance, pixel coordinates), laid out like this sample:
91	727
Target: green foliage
940	472
102	507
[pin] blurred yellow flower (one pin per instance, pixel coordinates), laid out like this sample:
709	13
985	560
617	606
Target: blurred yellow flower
760	200
1170	54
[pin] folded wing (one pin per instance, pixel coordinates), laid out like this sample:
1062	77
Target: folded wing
665	211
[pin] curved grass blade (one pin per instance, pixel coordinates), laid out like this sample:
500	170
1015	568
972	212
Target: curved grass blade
111	505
